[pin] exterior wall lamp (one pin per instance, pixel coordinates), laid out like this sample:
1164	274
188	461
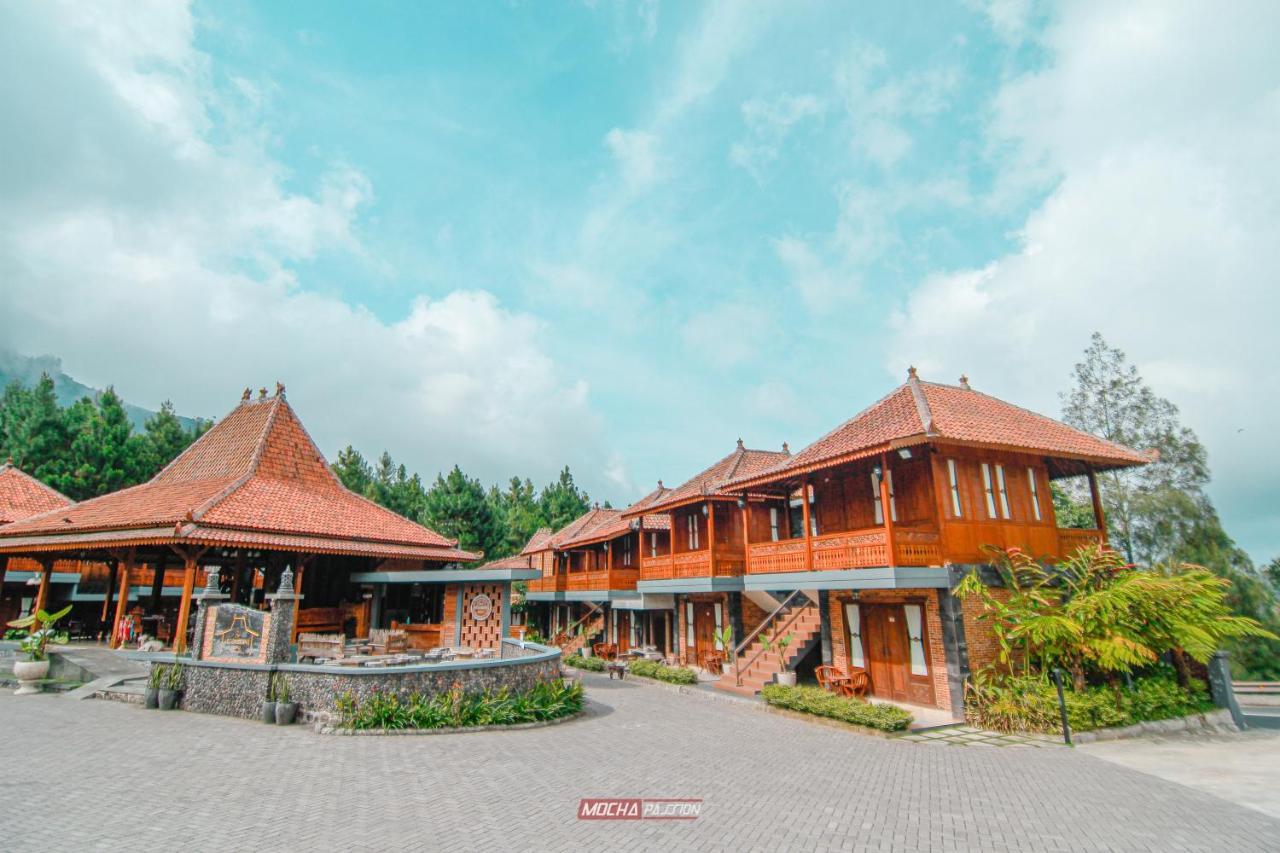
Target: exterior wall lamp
904	452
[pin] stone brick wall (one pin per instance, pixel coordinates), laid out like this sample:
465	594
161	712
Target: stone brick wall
486	634
238	690
752	616
933	627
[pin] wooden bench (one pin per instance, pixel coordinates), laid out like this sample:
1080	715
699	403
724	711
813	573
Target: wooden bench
312	646
422	636
388	642
319	620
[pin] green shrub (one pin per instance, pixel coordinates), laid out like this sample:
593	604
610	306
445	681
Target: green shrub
1030	703
815	700
547	700
579	662
662	672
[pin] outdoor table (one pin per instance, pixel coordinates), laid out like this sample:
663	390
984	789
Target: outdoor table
617	668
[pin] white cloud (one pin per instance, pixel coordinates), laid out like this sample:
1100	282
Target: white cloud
768	123
1160	123
147	254
728	333
636	152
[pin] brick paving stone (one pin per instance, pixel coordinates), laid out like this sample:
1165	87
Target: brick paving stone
124	778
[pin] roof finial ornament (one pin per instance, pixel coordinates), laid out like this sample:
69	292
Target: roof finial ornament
964	382
740	444
660	486
262	393
596	505
279	389
786	448
244	398
911	372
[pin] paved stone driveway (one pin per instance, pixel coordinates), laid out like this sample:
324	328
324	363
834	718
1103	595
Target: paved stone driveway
123	778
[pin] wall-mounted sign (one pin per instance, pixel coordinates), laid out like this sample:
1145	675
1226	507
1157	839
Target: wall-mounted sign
238	633
481	607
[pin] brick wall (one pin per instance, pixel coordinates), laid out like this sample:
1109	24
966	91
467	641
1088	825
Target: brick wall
983	648
486	634
933	627
752	616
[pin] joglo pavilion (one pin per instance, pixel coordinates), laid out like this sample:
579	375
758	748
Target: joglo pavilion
251	502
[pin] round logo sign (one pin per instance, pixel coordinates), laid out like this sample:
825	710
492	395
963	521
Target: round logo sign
481	607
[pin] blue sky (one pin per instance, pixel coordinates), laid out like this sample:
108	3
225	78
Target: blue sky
621	235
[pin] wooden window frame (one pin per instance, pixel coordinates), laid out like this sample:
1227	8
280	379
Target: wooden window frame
775	524
875	493
1035	494
1002	490
988	490
954	480
691	523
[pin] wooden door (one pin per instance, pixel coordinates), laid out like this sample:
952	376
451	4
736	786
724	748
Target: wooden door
889	641
704	627
623	620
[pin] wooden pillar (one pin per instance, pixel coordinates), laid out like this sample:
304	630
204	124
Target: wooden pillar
746	535
1099	517
157	582
886	509
42	595
122	600
808	525
236	578
184	606
110	593
301	563
711	539
609	562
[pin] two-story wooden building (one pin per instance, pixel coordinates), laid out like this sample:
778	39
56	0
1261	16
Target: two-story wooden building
865	532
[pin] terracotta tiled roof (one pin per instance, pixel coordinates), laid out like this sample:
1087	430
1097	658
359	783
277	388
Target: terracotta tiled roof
918	411
256	475
582	525
538	541
22	496
609	524
515	561
741	463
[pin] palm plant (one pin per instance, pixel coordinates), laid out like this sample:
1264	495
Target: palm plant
778	643
724	637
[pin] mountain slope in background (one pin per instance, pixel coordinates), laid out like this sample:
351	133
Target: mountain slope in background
27	370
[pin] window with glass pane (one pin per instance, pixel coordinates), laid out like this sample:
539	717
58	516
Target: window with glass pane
955	488
773	523
987	490
1035	494
1004	493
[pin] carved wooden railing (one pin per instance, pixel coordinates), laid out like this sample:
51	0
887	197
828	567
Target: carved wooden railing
655	568
617	579
854	549
1071	540
548	583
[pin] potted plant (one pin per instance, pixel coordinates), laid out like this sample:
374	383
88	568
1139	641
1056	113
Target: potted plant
785	676
151	698
33	671
580	633
285	710
170	686
269	704
724	638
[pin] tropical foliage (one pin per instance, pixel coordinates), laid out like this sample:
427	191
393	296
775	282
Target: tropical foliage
547	700
661	672
35	645
1095	614
1161	513
814	700
589	664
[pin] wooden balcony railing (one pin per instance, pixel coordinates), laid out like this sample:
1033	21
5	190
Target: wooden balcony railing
655	568
1071	540
604	579
694	564
854	549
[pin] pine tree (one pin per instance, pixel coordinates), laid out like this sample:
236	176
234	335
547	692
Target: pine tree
457	506
561	502
353	470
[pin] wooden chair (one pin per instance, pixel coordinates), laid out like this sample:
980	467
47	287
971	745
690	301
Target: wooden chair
605	651
712	662
831	679
331	646
859	683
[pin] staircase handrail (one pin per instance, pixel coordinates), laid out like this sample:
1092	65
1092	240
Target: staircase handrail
595	608
737	652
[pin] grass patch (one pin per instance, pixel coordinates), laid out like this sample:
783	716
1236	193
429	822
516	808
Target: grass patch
548	700
816	701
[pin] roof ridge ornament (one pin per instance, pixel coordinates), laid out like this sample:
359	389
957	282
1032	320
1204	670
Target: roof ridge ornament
244	398
922	402
964	382
280	389
786	448
740	444
911	372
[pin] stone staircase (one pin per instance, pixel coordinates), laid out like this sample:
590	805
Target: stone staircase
802	621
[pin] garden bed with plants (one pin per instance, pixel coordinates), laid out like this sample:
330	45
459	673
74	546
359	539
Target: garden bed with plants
454	711
814	701
651	669
1120	637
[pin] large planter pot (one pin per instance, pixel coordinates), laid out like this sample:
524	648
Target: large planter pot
29	674
168	699
151	698
786	679
285	712
269	712
586	651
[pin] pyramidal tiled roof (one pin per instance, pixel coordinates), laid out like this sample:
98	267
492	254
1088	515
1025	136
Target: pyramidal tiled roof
256	477
538	541
919	411
742	462
22	496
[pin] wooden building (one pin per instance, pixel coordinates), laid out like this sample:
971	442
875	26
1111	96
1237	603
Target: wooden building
863	534
252	497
